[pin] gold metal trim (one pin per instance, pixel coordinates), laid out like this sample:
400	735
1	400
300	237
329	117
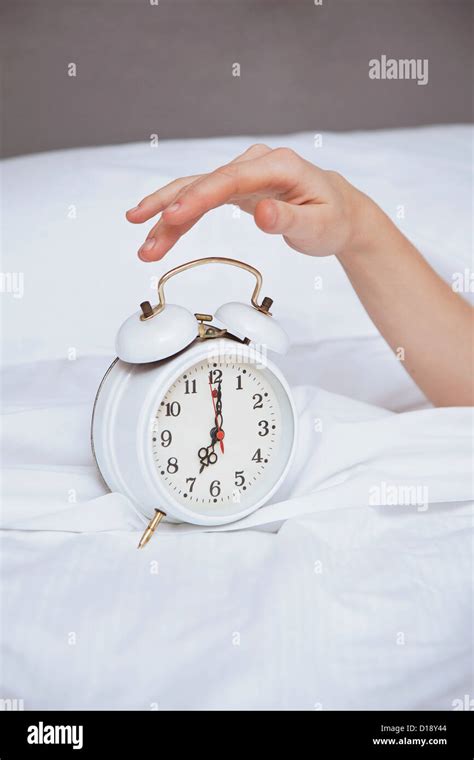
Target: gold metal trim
152	526
149	312
208	331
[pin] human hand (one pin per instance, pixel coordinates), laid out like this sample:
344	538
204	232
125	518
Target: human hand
318	212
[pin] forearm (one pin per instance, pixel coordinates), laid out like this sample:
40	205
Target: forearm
428	325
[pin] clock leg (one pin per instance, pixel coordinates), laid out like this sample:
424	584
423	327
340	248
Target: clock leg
152	525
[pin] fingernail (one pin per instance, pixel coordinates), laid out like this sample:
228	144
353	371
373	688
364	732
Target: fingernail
171	209
148	244
272	215
131	210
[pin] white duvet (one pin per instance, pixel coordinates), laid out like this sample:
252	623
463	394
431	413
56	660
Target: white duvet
332	596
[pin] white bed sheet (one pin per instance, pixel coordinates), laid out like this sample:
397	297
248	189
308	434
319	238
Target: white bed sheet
326	598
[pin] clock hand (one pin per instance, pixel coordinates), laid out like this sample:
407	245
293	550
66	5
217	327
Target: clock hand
216	396
207	455
219	419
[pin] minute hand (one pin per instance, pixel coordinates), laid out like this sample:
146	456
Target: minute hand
217	403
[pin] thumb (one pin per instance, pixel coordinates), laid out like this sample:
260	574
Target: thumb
280	218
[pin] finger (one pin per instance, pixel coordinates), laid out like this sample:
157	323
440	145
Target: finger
169	236
164	238
255	151
280	218
157	201
154	249
275	170
155	229
307	228
161	227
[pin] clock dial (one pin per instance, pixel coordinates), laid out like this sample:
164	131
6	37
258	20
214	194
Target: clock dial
218	436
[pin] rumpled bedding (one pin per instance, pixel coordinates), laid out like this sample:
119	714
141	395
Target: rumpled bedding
351	589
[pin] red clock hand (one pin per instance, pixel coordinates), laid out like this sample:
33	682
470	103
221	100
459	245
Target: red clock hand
220	433
220	437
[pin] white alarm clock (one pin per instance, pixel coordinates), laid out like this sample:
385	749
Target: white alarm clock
192	421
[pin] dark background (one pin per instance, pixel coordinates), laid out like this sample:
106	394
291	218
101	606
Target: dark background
167	69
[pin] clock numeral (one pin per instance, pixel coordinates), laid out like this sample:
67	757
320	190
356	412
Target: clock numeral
172	465
215	488
239	383
190	386
192	481
257	457
263	424
166	438
173	409
215	375
258	398
239	478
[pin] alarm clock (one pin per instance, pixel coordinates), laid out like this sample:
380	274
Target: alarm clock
192	421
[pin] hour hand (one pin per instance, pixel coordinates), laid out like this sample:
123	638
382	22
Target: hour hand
207	455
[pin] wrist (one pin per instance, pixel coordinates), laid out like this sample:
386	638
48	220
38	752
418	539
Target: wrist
361	219
368	225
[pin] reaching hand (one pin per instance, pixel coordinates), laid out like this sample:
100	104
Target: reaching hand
319	213
316	211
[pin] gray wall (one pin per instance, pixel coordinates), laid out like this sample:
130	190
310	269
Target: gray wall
167	69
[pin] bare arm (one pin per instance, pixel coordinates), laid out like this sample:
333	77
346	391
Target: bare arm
319	213
423	320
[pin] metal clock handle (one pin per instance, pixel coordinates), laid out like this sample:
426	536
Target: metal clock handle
150	311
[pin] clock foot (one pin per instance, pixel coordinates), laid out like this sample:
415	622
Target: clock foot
152	525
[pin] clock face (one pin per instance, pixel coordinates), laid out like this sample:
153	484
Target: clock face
222	435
